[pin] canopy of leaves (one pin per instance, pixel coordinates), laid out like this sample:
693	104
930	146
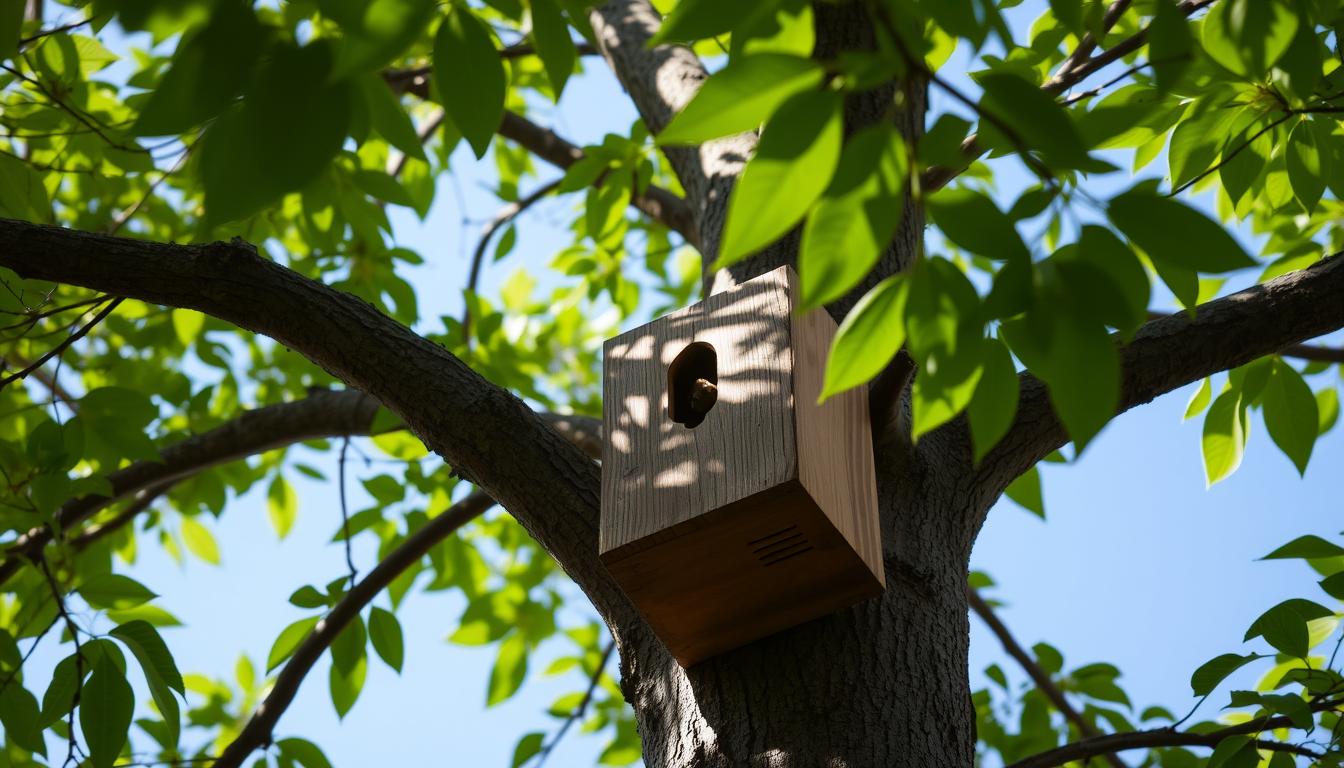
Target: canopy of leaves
1192	149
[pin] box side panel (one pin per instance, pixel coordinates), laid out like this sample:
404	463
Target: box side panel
835	444
765	564
657	474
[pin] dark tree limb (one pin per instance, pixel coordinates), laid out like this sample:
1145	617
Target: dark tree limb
487	434
324	413
257	732
1168	737
1038	676
1173	351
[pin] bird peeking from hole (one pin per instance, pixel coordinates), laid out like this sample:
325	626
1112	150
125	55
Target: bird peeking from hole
703	396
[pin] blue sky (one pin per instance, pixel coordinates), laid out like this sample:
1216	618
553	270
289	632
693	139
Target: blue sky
1138	564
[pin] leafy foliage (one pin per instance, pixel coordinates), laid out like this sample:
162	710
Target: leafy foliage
1055	223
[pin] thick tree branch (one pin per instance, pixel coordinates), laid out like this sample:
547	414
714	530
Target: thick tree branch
487	434
1315	352
1166	737
1173	351
324	413
257	732
1038	676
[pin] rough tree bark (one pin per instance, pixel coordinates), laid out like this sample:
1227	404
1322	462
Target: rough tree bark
884	683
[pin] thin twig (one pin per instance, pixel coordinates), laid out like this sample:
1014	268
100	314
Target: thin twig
345	512
76	336
126	215
257	732
501	219
1039	676
74	631
1227	156
1169	737
581	709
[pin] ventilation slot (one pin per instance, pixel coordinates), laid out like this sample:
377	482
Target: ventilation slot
781	545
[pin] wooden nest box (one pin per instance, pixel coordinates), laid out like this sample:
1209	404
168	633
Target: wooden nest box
733	505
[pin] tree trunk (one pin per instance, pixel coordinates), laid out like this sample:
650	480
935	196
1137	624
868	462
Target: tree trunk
883	683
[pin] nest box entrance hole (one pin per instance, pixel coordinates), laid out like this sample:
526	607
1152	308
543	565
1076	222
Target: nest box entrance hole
692	384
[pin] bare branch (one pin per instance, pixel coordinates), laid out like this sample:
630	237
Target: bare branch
1038	676
1173	351
257	732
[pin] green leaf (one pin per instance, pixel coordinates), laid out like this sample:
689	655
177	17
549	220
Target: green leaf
1306	548
1081	367
282	506
855	219
868	338
972	221
345	685
160	671
1216	670
288	641
303	752
1327	405
1026	491
106	705
389	118
1100	248
506	677
111	590
1234	752
376	31
528	747
200	542
1034	117
1290	414
208	72
1247	37
1169	44
148	647
1224	438
740	97
1285	629
1307	165
699	19
1334	585
385	632
793	165
1200	400
21	717
291	124
550	31
11	27
469	77
995	402
1174	233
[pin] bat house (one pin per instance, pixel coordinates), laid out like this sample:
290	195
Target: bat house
733	504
